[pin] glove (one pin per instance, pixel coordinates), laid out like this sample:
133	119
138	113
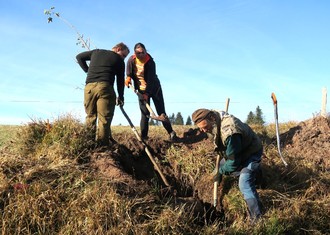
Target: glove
128	81
119	102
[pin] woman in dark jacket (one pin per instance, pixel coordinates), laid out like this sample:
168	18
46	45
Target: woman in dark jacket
141	68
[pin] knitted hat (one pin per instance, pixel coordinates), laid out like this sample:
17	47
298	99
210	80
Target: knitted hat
199	115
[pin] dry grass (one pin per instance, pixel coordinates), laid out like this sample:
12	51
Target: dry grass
46	188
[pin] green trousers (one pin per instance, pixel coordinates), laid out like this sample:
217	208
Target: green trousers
100	102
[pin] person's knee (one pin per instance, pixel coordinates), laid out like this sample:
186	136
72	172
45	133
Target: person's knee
245	186
244	179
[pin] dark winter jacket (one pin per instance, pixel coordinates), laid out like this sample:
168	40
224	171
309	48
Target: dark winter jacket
104	66
150	76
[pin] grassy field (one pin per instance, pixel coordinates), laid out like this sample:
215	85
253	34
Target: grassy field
49	186
7	132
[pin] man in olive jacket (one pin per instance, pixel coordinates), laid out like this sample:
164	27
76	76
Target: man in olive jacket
242	148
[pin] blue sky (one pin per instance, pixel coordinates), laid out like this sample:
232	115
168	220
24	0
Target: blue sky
205	52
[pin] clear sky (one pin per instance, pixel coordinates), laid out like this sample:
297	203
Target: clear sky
205	52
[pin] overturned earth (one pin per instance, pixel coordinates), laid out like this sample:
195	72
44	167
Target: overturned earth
137	167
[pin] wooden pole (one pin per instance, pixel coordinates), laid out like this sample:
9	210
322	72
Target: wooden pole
324	102
217	163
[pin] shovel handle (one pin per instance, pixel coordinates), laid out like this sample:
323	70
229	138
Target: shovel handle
145	102
274	98
227	105
152	113
217	163
215	193
215	185
145	148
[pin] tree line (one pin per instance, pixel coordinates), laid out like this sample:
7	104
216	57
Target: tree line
174	119
252	118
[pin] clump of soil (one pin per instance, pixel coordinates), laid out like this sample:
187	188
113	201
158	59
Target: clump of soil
310	140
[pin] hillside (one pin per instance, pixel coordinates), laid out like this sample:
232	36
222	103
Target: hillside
53	181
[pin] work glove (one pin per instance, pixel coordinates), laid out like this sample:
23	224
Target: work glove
119	102
128	82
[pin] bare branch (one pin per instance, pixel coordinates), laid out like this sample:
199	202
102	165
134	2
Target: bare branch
84	43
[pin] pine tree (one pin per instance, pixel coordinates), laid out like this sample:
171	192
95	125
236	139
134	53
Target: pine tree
188	122
172	118
259	116
178	119
250	118
255	118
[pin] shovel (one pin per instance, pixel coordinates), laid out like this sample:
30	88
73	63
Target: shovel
277	129
162	117
217	163
145	147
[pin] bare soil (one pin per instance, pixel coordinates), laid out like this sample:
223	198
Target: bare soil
309	140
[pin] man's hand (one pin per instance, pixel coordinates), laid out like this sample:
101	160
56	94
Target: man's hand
128	82
119	102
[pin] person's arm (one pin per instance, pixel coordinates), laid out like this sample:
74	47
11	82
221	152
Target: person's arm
233	150
151	77
129	67
121	81
129	73
82	59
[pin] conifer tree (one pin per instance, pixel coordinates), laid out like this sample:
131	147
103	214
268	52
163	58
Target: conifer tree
188	122
255	118
259	116
250	118
178	119
172	118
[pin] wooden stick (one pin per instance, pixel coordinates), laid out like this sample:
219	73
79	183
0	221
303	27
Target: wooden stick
217	163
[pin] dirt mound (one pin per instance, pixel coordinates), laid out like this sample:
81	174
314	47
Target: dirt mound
309	140
129	167
128	170
127	164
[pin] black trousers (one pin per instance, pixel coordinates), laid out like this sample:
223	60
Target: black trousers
158	101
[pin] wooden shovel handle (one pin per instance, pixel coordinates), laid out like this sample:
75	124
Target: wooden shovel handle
217	163
227	104
274	98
